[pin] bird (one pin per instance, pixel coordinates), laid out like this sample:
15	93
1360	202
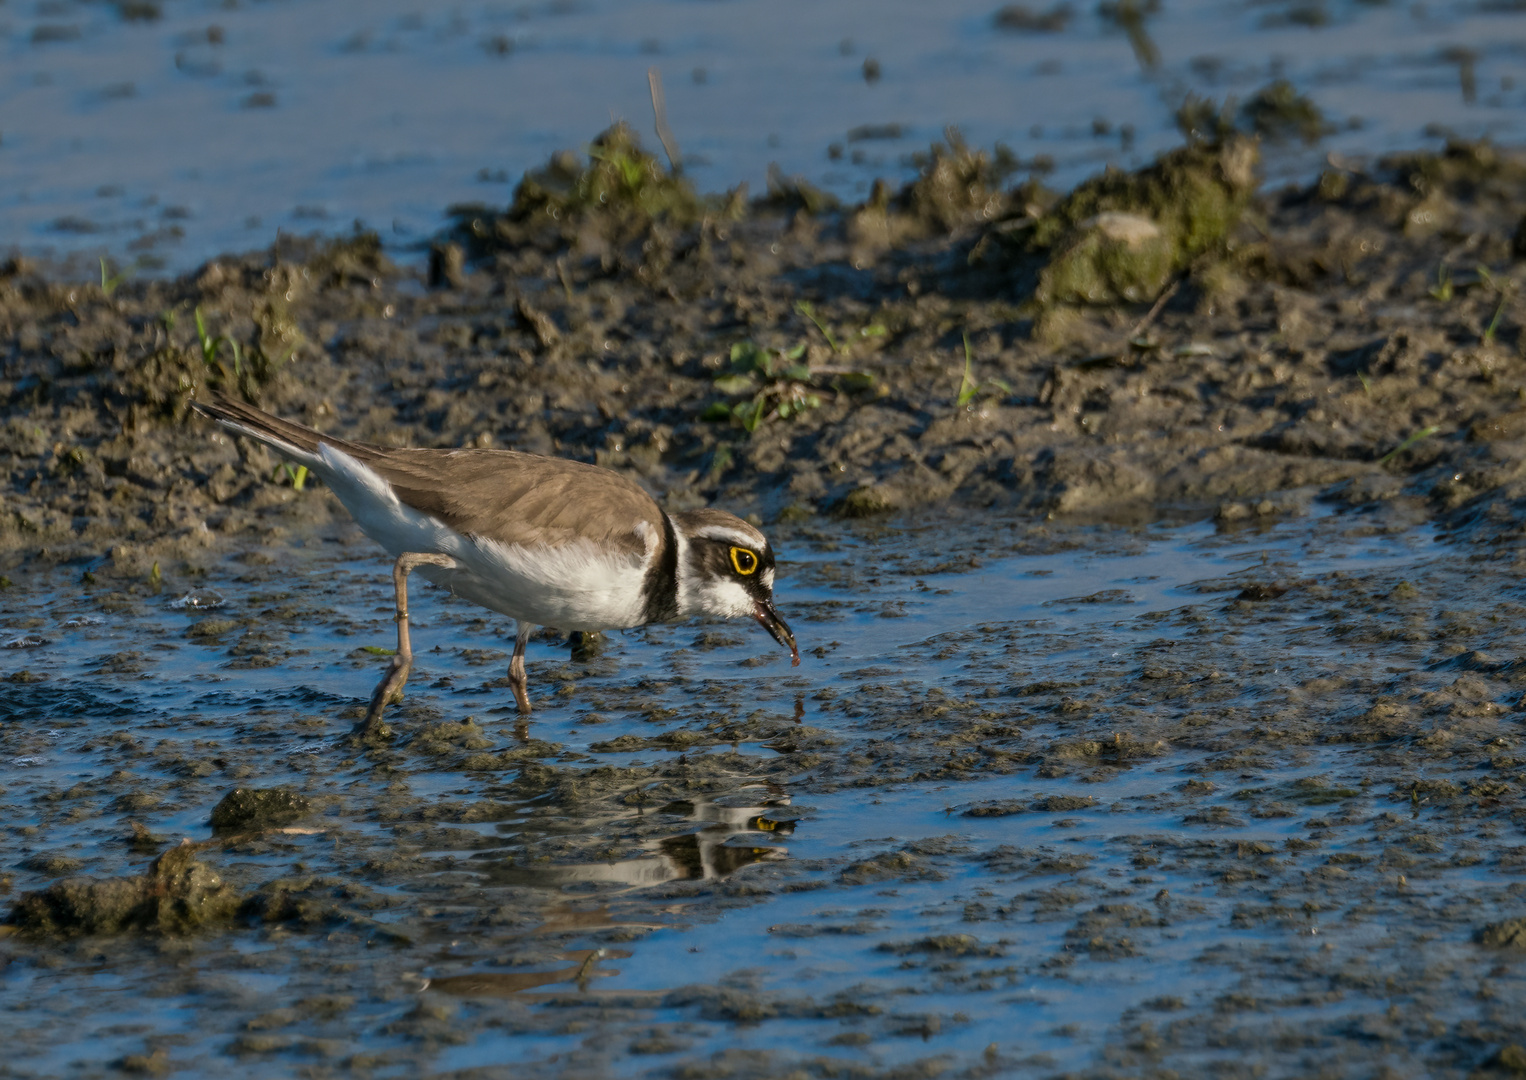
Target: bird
546	541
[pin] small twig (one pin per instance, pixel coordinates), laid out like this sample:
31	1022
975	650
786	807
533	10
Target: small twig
588	968
660	111
1160	302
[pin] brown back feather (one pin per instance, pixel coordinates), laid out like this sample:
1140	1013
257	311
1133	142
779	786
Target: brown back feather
500	493
503	495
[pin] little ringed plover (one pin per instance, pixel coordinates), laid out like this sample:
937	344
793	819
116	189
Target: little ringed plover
545	541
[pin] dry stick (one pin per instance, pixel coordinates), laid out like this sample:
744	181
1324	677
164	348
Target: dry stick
1160	303
660	111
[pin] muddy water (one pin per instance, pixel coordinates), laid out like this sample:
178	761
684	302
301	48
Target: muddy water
164	134
1040	798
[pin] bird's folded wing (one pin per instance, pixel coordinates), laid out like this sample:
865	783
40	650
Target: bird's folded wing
501	495
522	499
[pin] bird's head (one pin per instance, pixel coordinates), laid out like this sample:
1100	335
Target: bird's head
726	569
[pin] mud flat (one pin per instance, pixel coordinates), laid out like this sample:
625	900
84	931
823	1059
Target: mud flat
1161	706
1170	338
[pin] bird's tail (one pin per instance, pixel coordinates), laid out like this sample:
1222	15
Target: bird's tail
296	441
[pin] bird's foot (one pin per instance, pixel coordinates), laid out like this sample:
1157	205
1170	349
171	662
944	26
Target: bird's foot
388	692
519	681
372	731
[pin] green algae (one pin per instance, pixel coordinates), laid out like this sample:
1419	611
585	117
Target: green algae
956	184
1121	236
620	179
1279	111
621	192
1111	257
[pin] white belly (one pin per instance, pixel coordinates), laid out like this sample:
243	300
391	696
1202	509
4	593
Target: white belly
570	587
576	586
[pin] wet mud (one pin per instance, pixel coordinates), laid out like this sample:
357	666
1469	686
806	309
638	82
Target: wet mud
1160	705
1165	338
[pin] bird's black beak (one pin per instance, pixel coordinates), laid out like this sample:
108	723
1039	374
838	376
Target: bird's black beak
777	628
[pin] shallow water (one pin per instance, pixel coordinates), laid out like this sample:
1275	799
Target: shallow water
217	125
1032	814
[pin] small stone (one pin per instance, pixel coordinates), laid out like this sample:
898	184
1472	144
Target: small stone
1131	230
1061	803
208	628
1512	1057
52	864
866	502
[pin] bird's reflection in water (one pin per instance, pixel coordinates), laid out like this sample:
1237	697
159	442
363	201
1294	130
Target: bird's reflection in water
705	853
713	851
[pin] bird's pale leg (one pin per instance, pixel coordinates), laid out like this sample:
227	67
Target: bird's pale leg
391	688
519	682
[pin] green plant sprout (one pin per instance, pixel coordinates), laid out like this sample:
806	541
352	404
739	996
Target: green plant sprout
872	330
969	387
1442	290
1499	309
210	346
110	281
1423	433
297	474
779	385
775	385
809	311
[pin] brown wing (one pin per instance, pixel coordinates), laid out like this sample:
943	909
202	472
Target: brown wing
521	498
503	495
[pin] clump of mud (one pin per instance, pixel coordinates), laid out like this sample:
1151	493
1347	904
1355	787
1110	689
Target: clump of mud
1120	237
177	894
244	809
620	193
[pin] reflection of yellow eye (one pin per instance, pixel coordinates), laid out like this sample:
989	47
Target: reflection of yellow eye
744	561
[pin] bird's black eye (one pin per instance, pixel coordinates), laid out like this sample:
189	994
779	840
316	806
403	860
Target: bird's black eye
743	560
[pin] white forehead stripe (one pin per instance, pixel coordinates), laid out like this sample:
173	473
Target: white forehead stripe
730	536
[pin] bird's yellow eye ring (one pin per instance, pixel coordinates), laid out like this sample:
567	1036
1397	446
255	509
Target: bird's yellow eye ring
744	561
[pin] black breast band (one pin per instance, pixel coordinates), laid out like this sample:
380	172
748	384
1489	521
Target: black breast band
661	585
